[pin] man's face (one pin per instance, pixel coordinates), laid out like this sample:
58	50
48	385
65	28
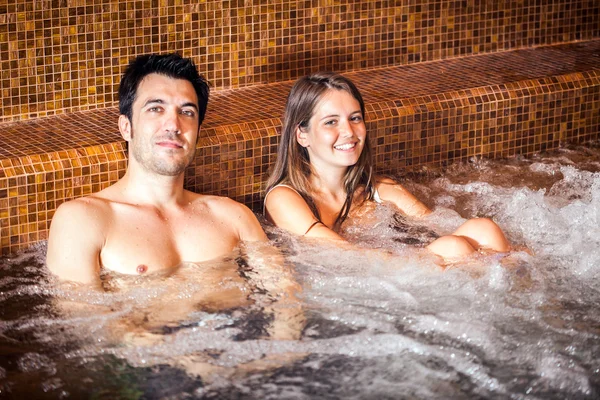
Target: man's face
164	127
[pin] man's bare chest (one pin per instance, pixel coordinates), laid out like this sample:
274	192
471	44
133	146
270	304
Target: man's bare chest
148	242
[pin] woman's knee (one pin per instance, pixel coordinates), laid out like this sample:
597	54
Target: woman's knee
451	247
483	232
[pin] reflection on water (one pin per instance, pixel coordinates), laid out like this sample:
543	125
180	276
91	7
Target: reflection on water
382	321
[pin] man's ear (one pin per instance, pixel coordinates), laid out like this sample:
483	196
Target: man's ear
125	127
302	136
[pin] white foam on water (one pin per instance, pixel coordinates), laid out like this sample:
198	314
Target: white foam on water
382	317
562	222
31	362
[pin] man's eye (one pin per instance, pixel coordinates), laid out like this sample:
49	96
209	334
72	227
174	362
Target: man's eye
189	113
154	109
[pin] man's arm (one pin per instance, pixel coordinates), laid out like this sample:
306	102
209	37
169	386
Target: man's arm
75	240
243	220
268	271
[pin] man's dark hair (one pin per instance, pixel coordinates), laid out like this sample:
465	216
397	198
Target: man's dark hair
171	65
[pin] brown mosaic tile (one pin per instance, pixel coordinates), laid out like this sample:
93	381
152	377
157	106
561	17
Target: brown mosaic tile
494	105
58	57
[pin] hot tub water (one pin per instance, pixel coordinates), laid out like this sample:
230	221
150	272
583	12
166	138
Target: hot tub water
382	321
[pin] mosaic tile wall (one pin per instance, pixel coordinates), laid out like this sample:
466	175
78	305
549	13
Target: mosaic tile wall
31	187
495	105
496	120
60	56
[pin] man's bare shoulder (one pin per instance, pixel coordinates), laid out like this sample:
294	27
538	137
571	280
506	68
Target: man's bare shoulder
239	216
99	204
84	208
77	233
220	205
90	213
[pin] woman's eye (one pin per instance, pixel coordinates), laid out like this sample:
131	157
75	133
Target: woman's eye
330	122
356	118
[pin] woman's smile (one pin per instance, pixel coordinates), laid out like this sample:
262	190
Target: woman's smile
336	133
345	146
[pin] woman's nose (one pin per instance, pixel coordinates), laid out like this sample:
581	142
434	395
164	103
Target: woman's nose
346	129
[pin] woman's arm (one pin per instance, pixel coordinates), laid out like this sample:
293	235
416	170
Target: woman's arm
287	210
395	193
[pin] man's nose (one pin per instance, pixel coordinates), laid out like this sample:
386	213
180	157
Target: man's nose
172	123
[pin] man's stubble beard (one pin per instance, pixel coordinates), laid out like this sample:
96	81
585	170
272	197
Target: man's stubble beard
160	165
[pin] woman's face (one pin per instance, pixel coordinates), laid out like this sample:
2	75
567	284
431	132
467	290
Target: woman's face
336	133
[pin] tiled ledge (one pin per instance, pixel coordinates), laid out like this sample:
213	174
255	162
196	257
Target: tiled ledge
495	105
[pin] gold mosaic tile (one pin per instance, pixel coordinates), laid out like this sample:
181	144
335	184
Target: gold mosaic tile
58	57
496	105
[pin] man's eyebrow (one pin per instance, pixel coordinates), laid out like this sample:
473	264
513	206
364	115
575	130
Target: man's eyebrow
153	101
160	101
190	104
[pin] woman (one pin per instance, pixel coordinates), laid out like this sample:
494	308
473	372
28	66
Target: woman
324	169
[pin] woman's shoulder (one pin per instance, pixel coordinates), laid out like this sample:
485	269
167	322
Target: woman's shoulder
282	192
384	180
287	209
384	186
283	187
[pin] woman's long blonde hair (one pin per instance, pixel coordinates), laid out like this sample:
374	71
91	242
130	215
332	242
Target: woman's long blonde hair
292	166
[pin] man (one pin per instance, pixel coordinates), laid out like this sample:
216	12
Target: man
147	222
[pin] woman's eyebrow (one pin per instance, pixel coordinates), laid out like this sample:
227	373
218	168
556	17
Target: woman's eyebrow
337	115
329	116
